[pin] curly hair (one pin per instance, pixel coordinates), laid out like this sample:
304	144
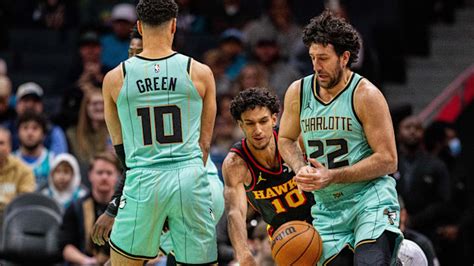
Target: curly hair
329	29
156	12
251	98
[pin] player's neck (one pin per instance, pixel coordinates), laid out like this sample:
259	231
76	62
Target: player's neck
157	46
266	157
345	78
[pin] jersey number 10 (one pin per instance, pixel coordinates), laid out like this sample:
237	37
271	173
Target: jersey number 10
159	113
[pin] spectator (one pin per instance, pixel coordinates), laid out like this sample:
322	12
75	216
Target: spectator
251	76
64	181
115	45
90	135
3	67
29	98
56	14
31	132
267	55
85	75
233	13
75	239
6	111
231	45
218	63
15	176
423	180
421	240
278	21
261	244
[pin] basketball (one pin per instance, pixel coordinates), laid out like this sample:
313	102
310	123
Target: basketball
296	243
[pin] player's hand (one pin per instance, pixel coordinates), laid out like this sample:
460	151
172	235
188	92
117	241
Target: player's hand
247	260
102	228
313	178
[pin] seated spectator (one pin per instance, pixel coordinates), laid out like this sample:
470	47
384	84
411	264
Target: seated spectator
6	111
90	135
218	63
56	14
251	76
278	21
29	97
15	176
75	240
115	45
266	53
64	181
232	47
86	74
3	67
31	132
423	180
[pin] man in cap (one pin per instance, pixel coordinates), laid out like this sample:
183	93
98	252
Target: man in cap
115	45
29	97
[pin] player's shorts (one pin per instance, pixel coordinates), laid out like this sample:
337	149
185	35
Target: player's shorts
179	192
351	218
217	196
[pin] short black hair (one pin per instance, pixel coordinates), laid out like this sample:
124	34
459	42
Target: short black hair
251	98
156	12
35	117
329	29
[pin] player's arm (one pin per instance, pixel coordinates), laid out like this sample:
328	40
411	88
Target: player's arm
235	172
111	85
203	79
378	129
290	129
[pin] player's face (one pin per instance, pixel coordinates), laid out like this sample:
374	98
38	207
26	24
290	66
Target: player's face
103	176
31	135
327	65
257	125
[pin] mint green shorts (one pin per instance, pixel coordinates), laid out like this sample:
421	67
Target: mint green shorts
217	195
350	219
179	192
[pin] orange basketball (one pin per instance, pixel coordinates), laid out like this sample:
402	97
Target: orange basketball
296	243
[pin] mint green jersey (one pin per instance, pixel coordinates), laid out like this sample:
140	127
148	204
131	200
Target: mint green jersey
160	111
332	132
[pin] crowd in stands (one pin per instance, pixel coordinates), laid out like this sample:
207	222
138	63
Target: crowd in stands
61	147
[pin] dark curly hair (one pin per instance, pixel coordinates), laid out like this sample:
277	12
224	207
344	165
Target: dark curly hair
251	98
156	12
35	117
329	29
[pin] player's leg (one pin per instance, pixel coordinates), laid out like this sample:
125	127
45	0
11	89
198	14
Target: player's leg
136	231
377	234
117	259
376	252
190	219
343	258
217	196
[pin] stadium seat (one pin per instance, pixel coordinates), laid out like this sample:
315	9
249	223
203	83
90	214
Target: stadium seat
30	230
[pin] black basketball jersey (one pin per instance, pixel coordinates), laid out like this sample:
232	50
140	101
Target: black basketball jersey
273	192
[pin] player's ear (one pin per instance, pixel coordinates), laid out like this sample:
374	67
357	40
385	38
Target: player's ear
345	58
139	27
274	120
173	26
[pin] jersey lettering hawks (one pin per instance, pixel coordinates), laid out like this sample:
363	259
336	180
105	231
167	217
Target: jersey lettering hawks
273	192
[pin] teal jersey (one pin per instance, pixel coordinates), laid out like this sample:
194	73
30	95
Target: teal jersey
160	111
331	131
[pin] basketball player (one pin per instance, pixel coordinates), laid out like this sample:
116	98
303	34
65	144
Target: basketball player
255	172
104	224
348	137
160	108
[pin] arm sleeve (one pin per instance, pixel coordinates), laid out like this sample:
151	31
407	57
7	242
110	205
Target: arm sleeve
58	141
112	208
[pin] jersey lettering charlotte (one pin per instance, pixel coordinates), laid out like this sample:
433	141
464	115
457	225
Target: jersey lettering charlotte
159	110
273	192
332	131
